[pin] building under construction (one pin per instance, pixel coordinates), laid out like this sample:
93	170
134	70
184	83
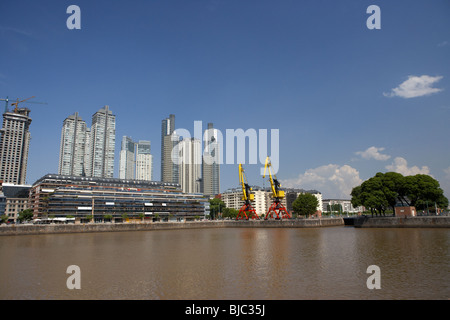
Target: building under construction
14	145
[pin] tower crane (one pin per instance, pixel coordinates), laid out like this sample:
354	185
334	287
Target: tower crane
277	207
247	209
16	103
6	103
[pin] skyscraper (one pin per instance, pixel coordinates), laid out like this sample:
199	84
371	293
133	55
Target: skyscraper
14	145
74	135
211	163
88	151
190	166
169	142
127	159
103	139
144	161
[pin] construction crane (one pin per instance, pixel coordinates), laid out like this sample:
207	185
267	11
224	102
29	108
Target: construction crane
16	103
6	103
247	211
277	207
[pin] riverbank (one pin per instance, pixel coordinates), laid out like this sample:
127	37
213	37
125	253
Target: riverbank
402	222
117	227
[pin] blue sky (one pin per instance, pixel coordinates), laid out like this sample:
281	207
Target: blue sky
348	101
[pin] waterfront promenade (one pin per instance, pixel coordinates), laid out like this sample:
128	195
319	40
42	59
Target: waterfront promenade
358	222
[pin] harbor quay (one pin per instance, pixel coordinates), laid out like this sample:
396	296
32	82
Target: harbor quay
401	222
29	229
358	222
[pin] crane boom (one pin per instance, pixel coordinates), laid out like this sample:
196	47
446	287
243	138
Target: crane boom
246	189
277	207
16	103
274	183
247	196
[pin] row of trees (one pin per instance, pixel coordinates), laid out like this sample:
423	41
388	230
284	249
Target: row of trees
24	215
386	190
217	207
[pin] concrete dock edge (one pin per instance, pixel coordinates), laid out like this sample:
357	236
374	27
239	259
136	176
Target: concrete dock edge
117	227
402	222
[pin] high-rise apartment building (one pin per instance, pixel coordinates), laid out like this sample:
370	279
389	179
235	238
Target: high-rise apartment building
103	139
169	142
136	161
210	185
190	165
88	154
74	135
144	161
127	159
88	151
14	145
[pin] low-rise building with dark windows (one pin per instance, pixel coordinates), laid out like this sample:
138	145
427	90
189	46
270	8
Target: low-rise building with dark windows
13	200
109	199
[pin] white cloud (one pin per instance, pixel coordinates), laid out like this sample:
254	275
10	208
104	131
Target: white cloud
415	87
443	43
373	153
447	173
400	165
333	181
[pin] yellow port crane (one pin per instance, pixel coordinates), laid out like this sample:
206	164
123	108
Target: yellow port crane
277	195
247	211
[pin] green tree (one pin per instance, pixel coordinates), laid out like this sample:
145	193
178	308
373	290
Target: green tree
371	195
230	213
387	189
423	188
305	204
337	207
25	215
4	218
216	206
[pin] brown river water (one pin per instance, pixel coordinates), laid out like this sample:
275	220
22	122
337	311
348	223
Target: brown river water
229	264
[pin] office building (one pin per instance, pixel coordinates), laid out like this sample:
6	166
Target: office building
190	165
136	161
110	199
127	159
210	185
169	142
74	135
14	145
144	161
